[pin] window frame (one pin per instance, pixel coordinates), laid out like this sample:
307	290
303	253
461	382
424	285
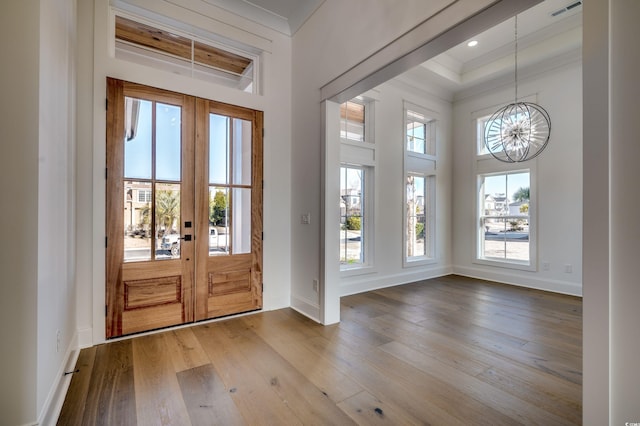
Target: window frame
429	212
367	222
423	165
486	165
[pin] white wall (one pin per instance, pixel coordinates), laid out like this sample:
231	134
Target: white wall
19	171
274	101
559	181
56	186
38	299
596	345
625	204
390	182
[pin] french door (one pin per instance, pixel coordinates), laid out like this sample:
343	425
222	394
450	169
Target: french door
183	209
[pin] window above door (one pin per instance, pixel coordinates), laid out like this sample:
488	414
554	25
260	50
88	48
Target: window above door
160	46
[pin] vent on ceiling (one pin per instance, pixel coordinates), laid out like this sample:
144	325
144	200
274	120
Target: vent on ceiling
566	8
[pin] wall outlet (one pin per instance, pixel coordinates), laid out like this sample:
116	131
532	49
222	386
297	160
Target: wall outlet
315	285
568	268
305	218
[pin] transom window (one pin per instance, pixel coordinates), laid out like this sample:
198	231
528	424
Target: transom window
352	121
165	48
420	133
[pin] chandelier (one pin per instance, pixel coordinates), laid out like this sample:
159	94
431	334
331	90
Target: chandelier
518	131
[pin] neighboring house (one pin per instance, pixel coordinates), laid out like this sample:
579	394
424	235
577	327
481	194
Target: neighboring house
515	208
496	205
137	199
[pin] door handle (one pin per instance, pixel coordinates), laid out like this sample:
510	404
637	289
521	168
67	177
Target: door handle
186	237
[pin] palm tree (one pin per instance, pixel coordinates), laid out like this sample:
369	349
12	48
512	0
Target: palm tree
167	209
522	194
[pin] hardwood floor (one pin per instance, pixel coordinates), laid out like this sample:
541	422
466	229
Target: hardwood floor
447	351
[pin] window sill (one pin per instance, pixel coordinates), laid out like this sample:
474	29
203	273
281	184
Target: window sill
351	271
419	261
508	264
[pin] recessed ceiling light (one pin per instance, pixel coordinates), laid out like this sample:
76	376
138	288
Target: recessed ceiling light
472	43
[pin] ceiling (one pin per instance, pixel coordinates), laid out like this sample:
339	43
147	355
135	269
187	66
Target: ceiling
543	40
285	16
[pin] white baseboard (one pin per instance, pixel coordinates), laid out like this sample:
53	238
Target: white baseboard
306	307
369	283
555	286
53	404
85	337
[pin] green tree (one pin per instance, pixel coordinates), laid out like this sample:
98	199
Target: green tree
522	194
218	209
353	223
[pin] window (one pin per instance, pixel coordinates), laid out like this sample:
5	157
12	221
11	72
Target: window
419	141
352	216
352	121
153	45
421	133
144	195
419	219
504	200
505	209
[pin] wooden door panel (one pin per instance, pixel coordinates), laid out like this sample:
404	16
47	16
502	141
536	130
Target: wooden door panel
228	283
151	291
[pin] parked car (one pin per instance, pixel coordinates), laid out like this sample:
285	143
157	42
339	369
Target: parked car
217	241
171	243
218	238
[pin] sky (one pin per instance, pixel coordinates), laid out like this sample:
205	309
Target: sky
506	184
138	150
137	163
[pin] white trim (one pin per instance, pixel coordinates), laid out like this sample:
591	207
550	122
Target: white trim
505	277
306	307
404	277
85	337
55	399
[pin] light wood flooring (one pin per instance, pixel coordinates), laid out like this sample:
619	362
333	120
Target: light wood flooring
447	351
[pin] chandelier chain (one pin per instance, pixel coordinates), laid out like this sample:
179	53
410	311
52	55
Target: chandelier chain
516	57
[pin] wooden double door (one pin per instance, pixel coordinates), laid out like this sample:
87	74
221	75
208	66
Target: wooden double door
183	209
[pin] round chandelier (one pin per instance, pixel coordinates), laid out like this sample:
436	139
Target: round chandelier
519	131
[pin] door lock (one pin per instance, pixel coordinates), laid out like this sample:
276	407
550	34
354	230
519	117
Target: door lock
186	237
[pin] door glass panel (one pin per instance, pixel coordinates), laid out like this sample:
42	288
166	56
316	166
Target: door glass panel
137	221
167	204
138	137
218	149
241	220
218	221
241	151
167	142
